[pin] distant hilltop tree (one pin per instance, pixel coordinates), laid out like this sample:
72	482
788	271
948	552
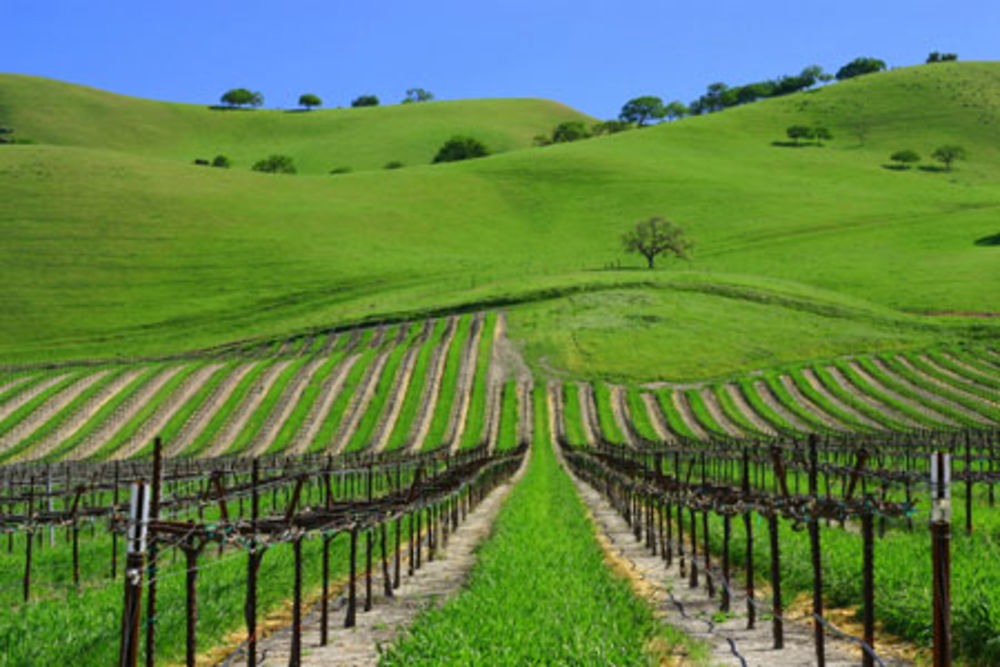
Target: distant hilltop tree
241	97
657	236
948	154
414	95
308	100
461	148
275	164
937	57
365	101
676	109
641	110
860	66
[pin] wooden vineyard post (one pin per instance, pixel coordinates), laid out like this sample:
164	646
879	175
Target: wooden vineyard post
941	556
154	513
369	545
727	528
386	579
868	585
748	527
114	534
816	556
396	556
253	560
324	610
777	624
29	539
351	618
128	652
295	657
693	581
707	553
968	484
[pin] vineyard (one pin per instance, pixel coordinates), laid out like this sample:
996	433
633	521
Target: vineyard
311	474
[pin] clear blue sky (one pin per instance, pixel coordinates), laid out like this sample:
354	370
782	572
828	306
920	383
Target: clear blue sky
590	55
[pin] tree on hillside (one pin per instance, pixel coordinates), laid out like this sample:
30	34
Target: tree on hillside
937	57
948	154
799	132
275	164
308	100
640	110
365	101
571	130
417	95
821	134
239	97
905	158
610	127
676	109
816	73
656	236
461	148
860	66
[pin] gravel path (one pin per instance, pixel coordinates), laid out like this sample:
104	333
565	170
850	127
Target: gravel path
193	427
328	393
38	417
656	418
899	398
850	387
820	388
813	409
930	395
683	408
237	420
284	406
466	383
431	586
714	408
771	400
167	409
432	387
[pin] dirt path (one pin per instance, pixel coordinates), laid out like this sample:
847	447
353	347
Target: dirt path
656	418
432	585
126	411
46	411
227	435
921	391
813	409
899	398
736	393
820	388
20	399
458	419
284	406
849	387
204	412
621	413
947	372
770	400
714	408
692	611
75	422
167	409
320	410
360	401
588	413
687	415
432	387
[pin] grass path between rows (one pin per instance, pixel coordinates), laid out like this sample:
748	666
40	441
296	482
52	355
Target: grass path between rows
541	592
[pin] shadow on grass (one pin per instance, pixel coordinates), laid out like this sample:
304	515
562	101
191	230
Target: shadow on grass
896	167
790	144
992	240
932	168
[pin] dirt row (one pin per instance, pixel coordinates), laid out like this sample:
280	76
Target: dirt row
320	408
400	388
23	397
284	406
227	435
432	387
463	388
201	416
813	408
921	391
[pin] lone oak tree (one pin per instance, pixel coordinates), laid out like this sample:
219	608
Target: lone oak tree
640	110
654	237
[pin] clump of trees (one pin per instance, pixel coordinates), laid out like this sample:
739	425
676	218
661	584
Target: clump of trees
720	96
946	155
641	110
242	97
859	67
308	100
816	133
275	164
414	95
365	101
221	161
905	158
657	236
461	148
936	57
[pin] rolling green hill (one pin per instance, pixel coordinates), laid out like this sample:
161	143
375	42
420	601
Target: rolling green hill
113	249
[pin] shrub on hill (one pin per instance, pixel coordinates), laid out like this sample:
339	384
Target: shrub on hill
860	66
221	161
417	95
275	164
308	100
571	130
904	158
393	164
799	132
341	170
611	127
461	148
240	97
936	57
365	101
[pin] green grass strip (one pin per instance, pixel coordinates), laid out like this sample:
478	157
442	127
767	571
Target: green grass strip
293	424
945	392
447	396
24	385
58	419
383	390
971	366
899	387
475	422
732	411
17	416
226	410
251	429
960	383
676	423
605	414
763	410
702	414
863	407
861	383
540	592
639	415
507	437
783	397
831	409
572	416
326	433
418	381
106	412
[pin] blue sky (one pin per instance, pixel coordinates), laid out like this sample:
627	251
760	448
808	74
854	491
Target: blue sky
590	55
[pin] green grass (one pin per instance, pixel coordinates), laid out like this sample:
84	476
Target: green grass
447	397
960	382
870	390
735	415
763	410
540	592
829	407
701	413
800	261
293	424
673	418
222	415
943	390
639	416
475	423
507	436
418	380
572	415
605	414
848	398
783	397
17	416
27	381
895	385
338	409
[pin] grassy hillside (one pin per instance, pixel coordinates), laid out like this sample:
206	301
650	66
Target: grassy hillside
53	112
112	251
